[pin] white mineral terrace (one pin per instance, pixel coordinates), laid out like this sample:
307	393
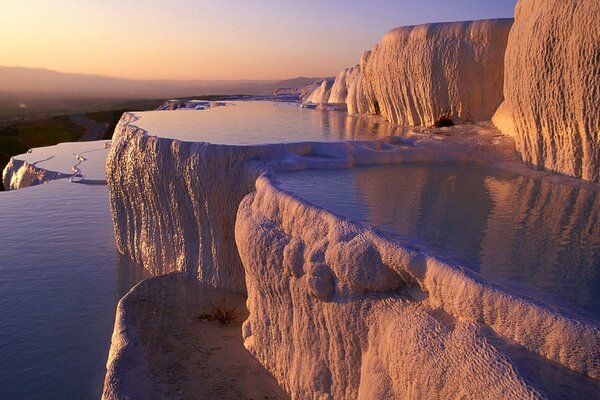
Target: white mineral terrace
336	309
80	162
343	307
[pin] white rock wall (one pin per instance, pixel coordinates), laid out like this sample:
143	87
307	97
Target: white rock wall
321	94
552	85
345	93
174	203
356	100
416	74
337	311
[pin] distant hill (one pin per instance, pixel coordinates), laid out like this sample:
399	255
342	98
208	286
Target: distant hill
36	83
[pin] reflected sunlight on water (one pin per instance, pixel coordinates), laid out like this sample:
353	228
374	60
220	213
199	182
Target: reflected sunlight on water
259	122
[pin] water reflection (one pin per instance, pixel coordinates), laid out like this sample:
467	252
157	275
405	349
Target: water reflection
256	122
540	238
58	266
544	235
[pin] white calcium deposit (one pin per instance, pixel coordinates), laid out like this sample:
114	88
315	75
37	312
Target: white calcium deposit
80	161
345	93
418	73
340	311
320	95
552	86
336	309
174	202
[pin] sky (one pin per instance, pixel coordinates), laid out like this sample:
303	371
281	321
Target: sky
215	39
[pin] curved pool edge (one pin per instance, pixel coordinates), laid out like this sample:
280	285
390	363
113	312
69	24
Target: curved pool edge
559	336
190	196
174	202
22	172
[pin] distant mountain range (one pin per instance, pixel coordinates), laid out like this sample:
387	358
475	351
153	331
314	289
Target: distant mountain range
36	83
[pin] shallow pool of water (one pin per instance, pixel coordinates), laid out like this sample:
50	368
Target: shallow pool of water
542	239
260	122
60	280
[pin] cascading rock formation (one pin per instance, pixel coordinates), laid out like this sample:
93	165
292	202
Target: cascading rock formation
552	86
336	309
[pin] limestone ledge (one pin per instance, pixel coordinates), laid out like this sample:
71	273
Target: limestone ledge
81	162
551	86
340	310
174	203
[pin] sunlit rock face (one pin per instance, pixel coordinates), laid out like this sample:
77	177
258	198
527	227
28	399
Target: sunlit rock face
552	84
339	311
19	174
356	100
345	93
339	90
321	93
416	74
176	212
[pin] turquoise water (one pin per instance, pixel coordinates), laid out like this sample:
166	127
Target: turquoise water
540	239
60	280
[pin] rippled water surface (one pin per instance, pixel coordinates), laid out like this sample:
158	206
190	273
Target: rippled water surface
540	238
259	122
60	280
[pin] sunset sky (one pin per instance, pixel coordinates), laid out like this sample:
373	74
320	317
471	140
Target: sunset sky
196	39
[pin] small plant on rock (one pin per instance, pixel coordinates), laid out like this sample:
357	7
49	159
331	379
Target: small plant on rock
223	312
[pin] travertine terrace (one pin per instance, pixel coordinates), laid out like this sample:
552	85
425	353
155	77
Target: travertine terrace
352	314
417	74
340	310
294	261
552	86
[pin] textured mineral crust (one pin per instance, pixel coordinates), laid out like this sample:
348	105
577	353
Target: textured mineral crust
419	73
552	86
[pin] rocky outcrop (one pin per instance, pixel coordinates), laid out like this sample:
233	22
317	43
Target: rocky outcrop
340	311
171	204
419	73
416	74
356	100
552	84
19	174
